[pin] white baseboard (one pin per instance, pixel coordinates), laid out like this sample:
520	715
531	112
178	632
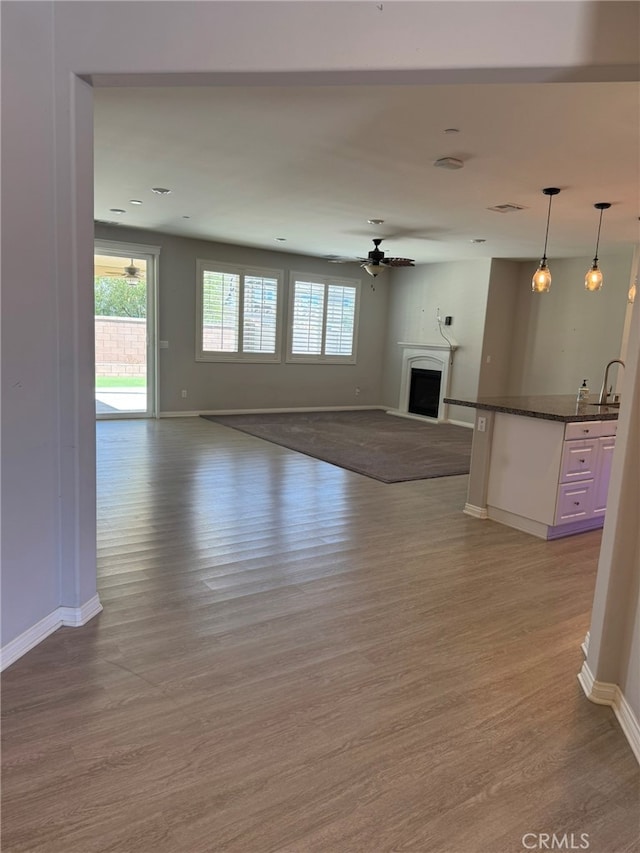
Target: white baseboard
69	616
585	644
268	411
604	693
475	511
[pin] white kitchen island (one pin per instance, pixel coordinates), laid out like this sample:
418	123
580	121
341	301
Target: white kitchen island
540	464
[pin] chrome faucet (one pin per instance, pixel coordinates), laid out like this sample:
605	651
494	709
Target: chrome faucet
602	400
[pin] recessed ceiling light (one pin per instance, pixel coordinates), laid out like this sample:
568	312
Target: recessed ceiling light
452	130
134	201
281	239
160	190
375	221
117	210
478	240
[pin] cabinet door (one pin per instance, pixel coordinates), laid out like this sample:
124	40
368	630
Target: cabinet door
579	460
601	485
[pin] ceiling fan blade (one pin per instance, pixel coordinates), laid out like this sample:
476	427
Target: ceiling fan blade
398	262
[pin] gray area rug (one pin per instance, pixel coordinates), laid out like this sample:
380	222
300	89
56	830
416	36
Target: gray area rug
369	442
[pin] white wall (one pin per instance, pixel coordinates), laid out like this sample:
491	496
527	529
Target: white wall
218	386
568	334
458	289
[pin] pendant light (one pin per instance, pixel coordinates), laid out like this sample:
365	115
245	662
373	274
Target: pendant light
593	278
541	281
631	296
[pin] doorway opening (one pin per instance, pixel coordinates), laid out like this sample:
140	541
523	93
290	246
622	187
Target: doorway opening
125	361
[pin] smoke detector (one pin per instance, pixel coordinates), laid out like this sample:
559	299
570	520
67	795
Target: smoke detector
449	163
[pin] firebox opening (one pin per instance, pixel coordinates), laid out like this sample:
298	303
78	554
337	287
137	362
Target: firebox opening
424	392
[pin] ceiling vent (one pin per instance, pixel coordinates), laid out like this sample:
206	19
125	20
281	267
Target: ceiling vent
449	163
506	208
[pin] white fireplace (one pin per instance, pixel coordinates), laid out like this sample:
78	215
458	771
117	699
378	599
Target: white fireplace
432	357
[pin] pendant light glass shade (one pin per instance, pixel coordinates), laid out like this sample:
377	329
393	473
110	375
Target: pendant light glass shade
593	278
631	297
541	281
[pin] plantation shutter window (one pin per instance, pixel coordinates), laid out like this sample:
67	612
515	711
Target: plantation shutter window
238	313
323	319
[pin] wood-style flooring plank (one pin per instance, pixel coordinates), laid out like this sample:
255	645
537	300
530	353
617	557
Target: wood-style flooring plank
293	658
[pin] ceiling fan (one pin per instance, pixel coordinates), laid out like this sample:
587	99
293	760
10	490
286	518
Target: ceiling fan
376	260
132	274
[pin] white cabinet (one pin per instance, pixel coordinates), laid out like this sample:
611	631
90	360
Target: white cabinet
584	471
605	457
548	477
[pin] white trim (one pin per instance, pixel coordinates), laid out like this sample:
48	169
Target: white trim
74	617
411	416
431	357
475	511
452	347
460	423
585	644
539	528
124	247
197	414
272	411
605	693
519	522
69	616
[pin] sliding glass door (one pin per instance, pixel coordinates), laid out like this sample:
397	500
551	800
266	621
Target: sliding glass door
125	334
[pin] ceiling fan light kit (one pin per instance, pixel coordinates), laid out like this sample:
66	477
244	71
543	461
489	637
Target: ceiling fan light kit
376	260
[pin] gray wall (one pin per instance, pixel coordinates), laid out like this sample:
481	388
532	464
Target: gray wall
499	326
459	289
568	334
222	386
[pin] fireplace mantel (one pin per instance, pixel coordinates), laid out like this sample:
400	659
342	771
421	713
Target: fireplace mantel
435	356
450	347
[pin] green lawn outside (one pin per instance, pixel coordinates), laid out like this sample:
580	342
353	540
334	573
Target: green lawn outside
121	381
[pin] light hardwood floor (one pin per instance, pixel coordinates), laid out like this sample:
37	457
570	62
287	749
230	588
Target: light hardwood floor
295	658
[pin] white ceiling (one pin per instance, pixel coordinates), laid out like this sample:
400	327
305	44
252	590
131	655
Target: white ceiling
313	163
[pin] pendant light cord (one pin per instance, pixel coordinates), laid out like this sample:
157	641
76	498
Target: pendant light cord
595	260
546	236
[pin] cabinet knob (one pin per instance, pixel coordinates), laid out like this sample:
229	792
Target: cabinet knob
582	461
577	503
585	430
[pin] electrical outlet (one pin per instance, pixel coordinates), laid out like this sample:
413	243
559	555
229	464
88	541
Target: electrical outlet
357	390
482	424
184	392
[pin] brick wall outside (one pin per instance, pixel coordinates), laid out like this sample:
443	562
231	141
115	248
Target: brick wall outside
121	346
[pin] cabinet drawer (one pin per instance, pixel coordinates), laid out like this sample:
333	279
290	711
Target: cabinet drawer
574	501
578	460
590	429
583	429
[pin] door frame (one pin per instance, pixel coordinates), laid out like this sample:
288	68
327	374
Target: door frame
150	254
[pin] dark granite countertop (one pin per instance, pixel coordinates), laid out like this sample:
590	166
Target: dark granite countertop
554	407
